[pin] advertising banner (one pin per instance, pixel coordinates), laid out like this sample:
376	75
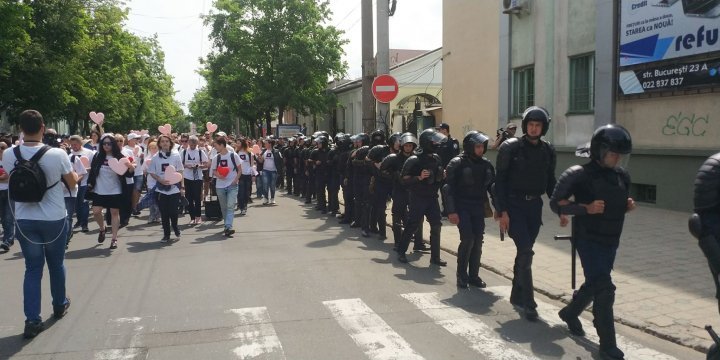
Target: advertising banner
655	30
683	74
287	130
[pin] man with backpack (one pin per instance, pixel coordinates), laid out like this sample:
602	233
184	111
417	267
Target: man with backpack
37	176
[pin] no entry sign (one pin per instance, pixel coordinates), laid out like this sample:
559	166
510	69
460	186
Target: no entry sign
385	88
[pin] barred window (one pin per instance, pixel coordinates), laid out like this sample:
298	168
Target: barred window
581	83
523	89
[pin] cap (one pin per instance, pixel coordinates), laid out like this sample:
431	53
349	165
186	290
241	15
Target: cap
221	133
133	136
443	126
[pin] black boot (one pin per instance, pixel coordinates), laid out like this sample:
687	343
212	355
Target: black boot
515	293
435	246
397	233
525	280
605	323
572	311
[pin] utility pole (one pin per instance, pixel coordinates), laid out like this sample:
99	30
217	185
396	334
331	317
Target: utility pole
383	57
368	66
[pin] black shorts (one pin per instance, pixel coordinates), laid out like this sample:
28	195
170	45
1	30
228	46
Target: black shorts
108	201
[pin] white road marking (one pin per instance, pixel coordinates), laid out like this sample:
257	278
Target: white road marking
548	314
133	351
478	335
127	320
370	332
257	334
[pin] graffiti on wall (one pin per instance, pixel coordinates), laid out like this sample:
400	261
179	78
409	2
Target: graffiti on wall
690	124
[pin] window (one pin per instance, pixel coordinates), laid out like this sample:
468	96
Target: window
523	89
582	73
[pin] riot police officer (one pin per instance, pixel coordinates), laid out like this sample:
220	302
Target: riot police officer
447	151
309	185
333	186
321	170
350	216
422	174
525	170
299	179
289	155
600	191
469	178
344	146
382	183
361	184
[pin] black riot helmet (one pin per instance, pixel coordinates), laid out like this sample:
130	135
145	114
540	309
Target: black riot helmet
363	138
377	137
430	140
408	138
394	138
473	138
343	141
322	142
536	113
378	153
610	137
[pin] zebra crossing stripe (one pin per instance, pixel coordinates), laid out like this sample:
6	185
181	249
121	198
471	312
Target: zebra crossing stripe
370	332
548	314
478	335
257	335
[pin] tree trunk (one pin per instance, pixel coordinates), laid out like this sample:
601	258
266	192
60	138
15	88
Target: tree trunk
281	111
268	120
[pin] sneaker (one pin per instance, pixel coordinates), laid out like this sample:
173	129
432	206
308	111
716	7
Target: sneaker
243	212
165	239
32	329
60	311
85	229
177	236
229	232
101	236
272	201
113	244
265	201
4	247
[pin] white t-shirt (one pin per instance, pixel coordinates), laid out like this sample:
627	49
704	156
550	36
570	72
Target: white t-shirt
193	157
158	165
150	180
83	152
213	152
245	160
79	168
227	162
55	163
269	163
107	182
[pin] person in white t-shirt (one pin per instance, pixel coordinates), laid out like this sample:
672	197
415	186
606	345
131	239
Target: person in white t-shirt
71	193
272	161
195	160
224	169
134	152
106	186
82	207
41	225
6	216
168	193
154	215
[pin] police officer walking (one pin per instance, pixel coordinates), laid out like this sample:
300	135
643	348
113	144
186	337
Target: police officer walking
382	183
525	170
361	184
319	160
469	178
600	193
447	151
422	174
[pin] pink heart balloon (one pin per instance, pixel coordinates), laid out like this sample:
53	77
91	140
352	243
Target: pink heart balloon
165	129
119	167
211	127
144	132
97	118
85	161
172	175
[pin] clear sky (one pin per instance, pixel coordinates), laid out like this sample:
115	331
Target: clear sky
417	24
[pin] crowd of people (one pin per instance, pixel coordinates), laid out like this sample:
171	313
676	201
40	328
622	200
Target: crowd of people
430	176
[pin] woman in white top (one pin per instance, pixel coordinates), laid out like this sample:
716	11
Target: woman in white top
245	183
271	161
224	167
71	194
194	161
152	149
168	193
106	187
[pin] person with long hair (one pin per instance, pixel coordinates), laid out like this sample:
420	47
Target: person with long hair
226	183
152	149
107	187
94	143
272	161
194	160
245	183
168	193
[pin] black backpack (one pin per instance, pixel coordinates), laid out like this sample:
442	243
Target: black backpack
27	180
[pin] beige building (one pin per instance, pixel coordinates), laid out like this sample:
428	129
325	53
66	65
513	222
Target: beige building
471	65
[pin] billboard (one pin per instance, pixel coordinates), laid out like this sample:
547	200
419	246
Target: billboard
287	130
655	30
680	75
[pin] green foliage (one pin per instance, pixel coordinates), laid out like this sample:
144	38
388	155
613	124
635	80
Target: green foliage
71	57
271	55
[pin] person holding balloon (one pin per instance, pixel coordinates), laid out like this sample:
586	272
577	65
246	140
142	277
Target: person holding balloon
225	169
166	168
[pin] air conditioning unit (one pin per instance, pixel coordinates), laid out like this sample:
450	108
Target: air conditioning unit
513	6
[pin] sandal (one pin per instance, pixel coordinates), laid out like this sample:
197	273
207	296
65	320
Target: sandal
113	244
101	236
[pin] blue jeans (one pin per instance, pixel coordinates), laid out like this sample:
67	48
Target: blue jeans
269	181
244	190
259	184
42	241
6	215
82	207
227	197
70	207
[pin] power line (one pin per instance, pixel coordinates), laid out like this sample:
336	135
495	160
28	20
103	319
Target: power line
163	17
346	15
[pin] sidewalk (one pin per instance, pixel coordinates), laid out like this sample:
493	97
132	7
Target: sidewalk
664	286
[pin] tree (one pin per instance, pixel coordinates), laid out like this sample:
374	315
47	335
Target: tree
270	55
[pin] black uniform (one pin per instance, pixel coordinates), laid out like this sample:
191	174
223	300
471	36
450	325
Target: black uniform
468	182
423	196
705	225
299	166
381	188
333	185
309	183
447	151
289	155
524	172
345	175
321	173
392	166
361	187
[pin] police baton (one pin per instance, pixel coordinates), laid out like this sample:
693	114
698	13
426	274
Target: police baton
573	250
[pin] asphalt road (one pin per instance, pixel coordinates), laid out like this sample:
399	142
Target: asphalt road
290	284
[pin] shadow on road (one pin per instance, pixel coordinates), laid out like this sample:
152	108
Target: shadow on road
13	344
99	250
